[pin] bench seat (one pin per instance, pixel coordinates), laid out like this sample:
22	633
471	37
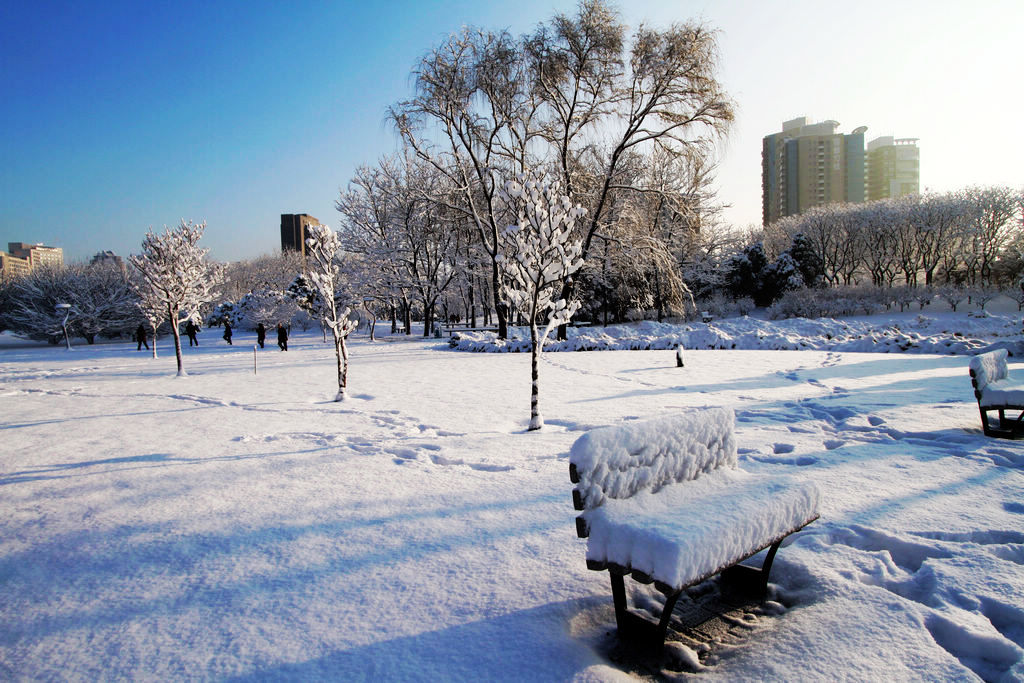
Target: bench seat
687	532
1003	393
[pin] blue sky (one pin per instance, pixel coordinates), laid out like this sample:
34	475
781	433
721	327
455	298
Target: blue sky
122	116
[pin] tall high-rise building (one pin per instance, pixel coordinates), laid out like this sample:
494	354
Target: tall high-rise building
293	231
894	167
810	164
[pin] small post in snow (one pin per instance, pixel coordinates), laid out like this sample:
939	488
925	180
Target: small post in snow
679	356
254	359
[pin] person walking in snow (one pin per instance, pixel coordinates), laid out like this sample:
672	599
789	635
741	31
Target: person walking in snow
282	337
227	332
191	330
140	337
261	334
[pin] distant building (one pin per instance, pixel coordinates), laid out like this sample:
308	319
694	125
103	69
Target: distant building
23	257
293	231
107	257
12	266
37	254
894	167
810	164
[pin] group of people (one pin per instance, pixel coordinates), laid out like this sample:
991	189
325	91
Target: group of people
191	330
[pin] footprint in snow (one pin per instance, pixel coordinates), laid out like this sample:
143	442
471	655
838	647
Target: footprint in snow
1017	508
980	536
799	430
782	448
491	468
404	453
799	461
875	421
441	460
832	444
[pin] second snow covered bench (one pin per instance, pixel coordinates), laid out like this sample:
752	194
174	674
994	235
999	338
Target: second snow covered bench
995	391
663	501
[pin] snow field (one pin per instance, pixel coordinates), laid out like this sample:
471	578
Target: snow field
230	525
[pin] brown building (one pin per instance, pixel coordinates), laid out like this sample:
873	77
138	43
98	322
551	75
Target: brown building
293	231
810	164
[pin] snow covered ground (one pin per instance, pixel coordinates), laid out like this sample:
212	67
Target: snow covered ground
238	525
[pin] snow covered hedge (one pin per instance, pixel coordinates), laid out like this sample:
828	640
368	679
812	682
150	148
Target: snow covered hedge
942	334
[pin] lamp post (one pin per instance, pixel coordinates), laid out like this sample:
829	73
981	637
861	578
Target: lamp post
67	313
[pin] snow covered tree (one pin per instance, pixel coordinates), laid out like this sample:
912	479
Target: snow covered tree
745	273
538	255
806	259
174	270
32	300
323	245
102	300
150	305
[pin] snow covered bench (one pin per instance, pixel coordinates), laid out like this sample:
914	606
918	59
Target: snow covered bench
994	390
663	501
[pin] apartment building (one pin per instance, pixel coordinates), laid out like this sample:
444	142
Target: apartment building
893	167
810	164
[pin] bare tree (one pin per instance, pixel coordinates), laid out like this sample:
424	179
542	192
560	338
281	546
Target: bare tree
991	225
940	221
470	87
574	97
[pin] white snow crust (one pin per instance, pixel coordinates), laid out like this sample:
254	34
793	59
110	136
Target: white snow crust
688	531
232	525
618	461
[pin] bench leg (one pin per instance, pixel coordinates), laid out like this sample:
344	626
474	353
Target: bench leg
751	579
632	626
999	425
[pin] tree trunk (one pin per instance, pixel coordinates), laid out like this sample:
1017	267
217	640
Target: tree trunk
499	306
428	318
659	304
341	353
172	312
373	319
536	421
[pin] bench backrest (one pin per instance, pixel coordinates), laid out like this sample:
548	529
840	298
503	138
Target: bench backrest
988	367
617	462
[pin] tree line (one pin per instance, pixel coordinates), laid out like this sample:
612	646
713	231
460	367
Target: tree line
625	122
